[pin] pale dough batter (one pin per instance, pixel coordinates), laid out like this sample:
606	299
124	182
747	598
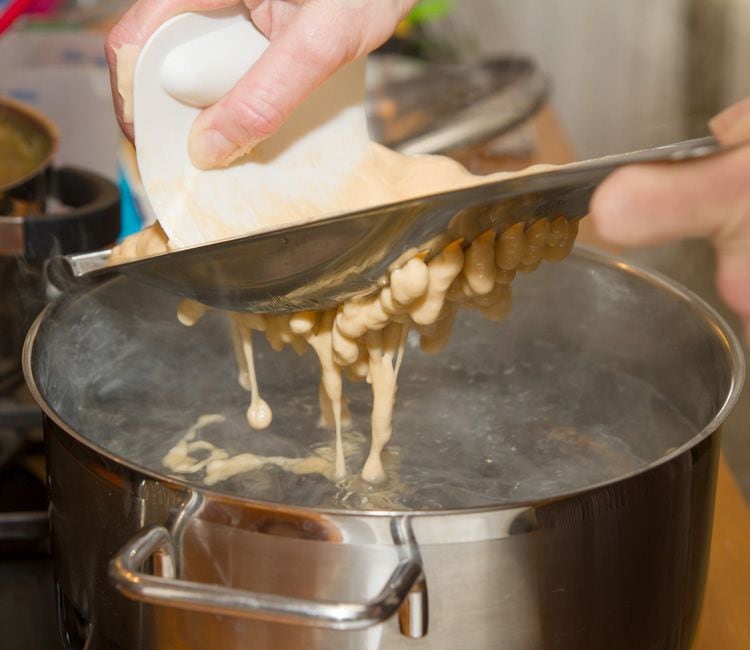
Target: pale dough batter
126	56
192	455
365	337
220	466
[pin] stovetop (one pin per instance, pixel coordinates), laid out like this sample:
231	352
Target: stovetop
27	603
27	593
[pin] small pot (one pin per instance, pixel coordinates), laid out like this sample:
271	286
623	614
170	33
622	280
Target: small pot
87	218
28	143
606	382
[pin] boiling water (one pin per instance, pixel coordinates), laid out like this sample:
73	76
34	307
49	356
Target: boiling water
462	437
525	410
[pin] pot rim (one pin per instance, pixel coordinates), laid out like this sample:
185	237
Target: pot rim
46	125
654	278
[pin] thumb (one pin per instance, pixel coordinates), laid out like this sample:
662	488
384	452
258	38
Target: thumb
307	52
653	204
732	275
126	39
732	125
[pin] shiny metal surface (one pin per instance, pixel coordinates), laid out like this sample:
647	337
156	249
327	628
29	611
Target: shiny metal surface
413	615
166	590
538	436
418	107
318	264
620	565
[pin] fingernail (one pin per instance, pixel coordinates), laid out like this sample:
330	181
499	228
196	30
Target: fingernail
209	148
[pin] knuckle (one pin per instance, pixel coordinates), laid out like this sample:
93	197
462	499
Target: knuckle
256	114
328	44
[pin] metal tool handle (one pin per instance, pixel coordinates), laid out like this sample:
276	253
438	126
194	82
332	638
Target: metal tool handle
65	271
167	590
312	265
675	152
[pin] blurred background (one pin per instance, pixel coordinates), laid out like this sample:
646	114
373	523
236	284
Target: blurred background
625	74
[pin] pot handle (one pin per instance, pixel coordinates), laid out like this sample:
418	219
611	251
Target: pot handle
91	221
167	590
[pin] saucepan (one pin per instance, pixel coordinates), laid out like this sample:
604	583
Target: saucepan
44	210
551	478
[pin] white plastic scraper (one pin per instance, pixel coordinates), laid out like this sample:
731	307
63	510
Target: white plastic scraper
189	63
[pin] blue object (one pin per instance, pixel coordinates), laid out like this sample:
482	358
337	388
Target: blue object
130	216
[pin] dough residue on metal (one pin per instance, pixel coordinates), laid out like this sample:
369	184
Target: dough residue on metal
364	337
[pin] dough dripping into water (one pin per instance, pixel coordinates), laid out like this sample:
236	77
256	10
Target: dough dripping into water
219	465
364	337
194	454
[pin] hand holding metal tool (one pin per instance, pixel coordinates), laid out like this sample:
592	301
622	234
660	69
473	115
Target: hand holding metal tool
194	59
318	264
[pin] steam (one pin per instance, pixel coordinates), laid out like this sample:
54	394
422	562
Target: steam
537	406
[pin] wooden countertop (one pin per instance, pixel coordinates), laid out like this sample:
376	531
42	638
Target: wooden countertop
725	620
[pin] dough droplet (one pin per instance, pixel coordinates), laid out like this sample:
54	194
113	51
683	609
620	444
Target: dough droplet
259	414
189	312
373	471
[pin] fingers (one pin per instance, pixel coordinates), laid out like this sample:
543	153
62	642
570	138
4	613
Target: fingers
316	41
732	125
309	42
733	276
733	243
652	204
295	63
126	39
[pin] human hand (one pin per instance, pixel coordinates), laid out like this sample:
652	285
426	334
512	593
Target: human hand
310	41
652	204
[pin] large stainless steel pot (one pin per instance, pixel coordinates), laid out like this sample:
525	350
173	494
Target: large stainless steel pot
600	399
